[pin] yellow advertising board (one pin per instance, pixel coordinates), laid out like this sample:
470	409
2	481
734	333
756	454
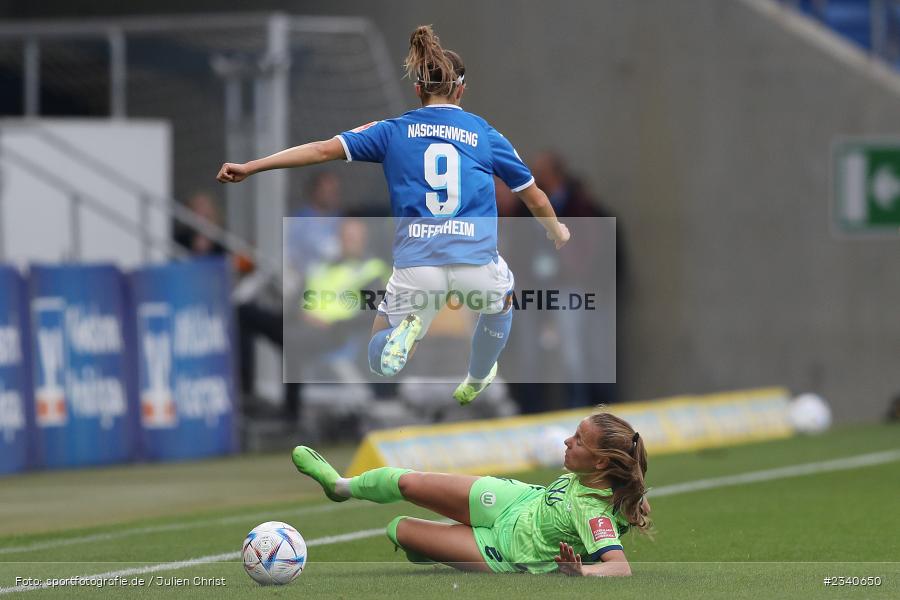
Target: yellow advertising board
512	444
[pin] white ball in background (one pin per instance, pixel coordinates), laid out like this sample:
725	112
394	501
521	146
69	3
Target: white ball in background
809	413
548	447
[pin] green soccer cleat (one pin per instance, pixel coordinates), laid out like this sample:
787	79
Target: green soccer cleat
399	343
309	462
469	389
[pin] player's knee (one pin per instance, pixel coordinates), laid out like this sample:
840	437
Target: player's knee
407	483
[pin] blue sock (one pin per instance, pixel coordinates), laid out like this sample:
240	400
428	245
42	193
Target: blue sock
488	342
376	345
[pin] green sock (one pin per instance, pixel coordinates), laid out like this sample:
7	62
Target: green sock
380	485
411	555
391	530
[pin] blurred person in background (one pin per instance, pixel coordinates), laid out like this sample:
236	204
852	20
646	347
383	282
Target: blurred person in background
313	239
205	206
439	163
330	309
567	194
515	242
569	333
255	318
336	330
507	203
313	230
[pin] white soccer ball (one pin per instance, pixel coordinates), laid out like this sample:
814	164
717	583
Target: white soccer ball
274	553
809	413
548	448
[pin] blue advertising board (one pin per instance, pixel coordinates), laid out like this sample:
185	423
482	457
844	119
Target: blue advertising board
16	420
185	347
85	405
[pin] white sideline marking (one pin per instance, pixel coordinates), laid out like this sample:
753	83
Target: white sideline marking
840	464
113	535
203	560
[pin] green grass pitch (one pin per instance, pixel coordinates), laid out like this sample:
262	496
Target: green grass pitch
776	537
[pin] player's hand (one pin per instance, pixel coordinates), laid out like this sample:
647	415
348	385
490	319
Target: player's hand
567	561
233	173
562	238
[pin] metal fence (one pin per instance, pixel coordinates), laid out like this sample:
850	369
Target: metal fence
233	86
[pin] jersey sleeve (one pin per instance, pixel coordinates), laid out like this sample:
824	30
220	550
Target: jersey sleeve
366	143
507	164
599	532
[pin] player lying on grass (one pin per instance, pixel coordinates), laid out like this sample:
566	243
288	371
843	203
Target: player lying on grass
505	526
439	163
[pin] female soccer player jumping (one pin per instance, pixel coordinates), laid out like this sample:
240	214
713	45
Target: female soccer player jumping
439	162
507	526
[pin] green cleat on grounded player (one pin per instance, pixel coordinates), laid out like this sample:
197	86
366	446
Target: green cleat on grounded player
469	389
309	462
399	343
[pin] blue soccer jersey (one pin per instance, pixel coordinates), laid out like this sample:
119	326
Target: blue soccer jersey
439	162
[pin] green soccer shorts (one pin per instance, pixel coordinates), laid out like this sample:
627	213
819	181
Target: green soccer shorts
490	499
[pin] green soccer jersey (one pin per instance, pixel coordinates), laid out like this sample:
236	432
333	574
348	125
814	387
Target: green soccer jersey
564	511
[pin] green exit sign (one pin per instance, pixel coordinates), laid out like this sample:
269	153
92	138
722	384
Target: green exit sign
867	185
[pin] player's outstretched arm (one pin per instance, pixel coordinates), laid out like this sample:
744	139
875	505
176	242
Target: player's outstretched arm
539	205
298	156
614	563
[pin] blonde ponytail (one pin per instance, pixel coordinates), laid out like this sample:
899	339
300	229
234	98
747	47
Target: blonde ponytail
438	71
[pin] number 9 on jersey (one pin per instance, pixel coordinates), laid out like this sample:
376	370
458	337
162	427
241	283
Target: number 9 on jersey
448	180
